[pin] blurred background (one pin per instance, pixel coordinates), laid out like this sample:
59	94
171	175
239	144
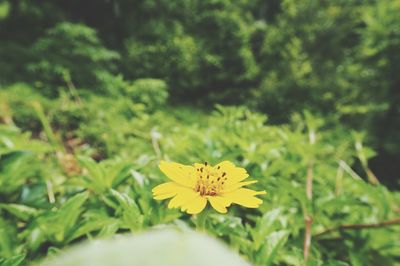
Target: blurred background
280	87
337	59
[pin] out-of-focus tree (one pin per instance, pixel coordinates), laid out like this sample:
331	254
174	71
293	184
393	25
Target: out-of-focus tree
71	55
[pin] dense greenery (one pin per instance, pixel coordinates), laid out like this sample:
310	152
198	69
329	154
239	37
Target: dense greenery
93	94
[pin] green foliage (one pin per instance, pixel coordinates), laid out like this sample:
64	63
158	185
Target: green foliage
54	196
337	58
199	49
91	102
14	261
150	92
175	60
70	55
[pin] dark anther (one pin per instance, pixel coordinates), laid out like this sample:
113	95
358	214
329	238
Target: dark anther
219	178
205	163
208	176
223	174
219	167
222	183
201	169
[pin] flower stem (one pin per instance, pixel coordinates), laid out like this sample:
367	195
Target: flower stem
201	220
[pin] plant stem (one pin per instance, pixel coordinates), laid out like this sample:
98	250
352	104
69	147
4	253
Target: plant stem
55	143
309	181
201	220
307	217
360	226
307	237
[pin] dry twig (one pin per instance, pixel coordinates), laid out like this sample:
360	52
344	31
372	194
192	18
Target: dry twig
359	226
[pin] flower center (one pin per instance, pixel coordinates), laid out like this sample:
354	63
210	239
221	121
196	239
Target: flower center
210	181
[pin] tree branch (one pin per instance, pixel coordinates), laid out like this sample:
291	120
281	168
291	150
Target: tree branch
359	226
307	237
307	217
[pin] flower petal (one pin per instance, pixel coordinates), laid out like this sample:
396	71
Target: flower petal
235	186
168	190
234	174
183	197
165	188
198	165
219	203
181	174
245	197
165	196
196	205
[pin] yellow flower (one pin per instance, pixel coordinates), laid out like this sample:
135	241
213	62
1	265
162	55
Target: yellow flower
193	186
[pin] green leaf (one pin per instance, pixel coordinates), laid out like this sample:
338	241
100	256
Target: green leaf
13	261
130	212
14	169
93	225
70	211
20	211
273	243
265	226
59	225
96	176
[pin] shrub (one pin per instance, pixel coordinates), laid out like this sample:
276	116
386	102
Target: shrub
72	56
153	93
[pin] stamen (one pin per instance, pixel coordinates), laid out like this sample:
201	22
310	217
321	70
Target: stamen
210	182
219	167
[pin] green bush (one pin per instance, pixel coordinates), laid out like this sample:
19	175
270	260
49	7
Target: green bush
72	56
153	93
175	60
58	199
15	105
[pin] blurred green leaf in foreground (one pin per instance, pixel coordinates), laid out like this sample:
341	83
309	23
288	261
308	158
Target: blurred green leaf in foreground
154	248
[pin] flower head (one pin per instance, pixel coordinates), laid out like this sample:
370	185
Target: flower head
192	186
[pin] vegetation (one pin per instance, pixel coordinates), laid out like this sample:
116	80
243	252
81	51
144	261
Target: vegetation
303	95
